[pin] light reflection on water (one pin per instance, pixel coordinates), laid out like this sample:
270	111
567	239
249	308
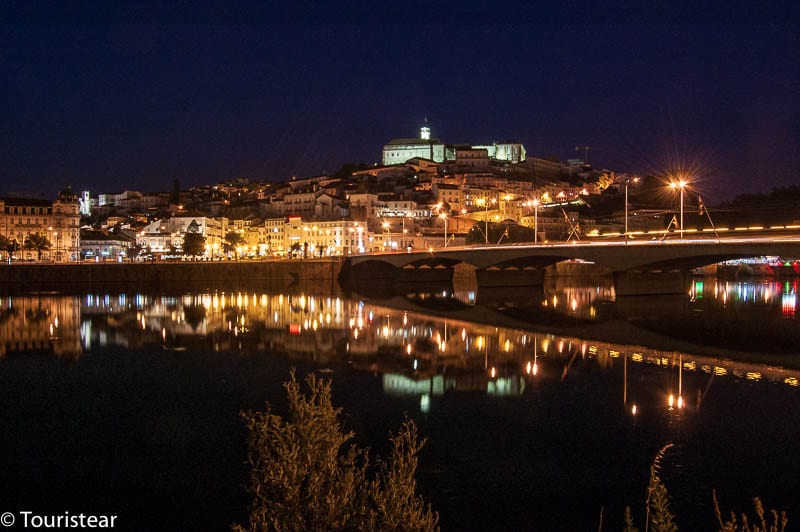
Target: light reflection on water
414	343
437	351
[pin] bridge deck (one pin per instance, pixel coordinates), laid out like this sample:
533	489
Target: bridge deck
620	256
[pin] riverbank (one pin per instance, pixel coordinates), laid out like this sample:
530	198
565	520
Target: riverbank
311	274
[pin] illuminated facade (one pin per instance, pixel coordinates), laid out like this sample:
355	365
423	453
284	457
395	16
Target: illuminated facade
512	152
103	245
164	236
398	151
57	220
325	238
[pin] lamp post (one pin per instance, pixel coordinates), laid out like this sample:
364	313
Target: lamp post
628	182
387	240
536	220
443	216
681	184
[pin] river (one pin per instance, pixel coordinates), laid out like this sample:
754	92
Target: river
543	408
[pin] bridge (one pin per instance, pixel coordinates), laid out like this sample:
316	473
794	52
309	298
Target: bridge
638	267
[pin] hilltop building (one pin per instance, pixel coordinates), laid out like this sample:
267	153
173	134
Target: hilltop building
398	151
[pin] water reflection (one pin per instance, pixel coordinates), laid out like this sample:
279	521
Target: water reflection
764	294
40	324
527	395
424	344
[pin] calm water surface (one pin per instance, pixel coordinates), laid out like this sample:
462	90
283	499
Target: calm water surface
540	406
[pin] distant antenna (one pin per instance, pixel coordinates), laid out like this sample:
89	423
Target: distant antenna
585	150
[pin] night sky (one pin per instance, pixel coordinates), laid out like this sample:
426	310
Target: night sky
134	95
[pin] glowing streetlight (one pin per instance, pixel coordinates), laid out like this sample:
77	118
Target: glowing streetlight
485	203
535	220
681	184
627	182
443	216
386	232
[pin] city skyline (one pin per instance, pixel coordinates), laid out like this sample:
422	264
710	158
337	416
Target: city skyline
127	97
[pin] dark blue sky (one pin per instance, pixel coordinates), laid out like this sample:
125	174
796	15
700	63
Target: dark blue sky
133	95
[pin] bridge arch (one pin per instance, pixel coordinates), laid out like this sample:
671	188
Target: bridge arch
524	264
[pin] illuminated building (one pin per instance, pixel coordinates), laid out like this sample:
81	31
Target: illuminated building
325	238
104	245
398	151
512	152
57	220
162	236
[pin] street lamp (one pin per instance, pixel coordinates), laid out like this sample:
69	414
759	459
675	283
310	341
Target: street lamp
627	182
386	232
405	232
485	203
681	184
443	216
535	220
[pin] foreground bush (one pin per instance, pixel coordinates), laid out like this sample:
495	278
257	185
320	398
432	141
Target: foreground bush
307	475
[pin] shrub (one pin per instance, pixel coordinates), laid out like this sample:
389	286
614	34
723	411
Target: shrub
306	474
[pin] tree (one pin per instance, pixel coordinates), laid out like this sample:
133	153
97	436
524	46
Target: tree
37	242
307	475
194	244
233	240
134	250
5	244
499	233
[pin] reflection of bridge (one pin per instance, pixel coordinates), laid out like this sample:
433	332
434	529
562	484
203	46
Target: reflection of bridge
641	267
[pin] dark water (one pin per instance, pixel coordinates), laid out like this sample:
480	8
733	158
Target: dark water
129	404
